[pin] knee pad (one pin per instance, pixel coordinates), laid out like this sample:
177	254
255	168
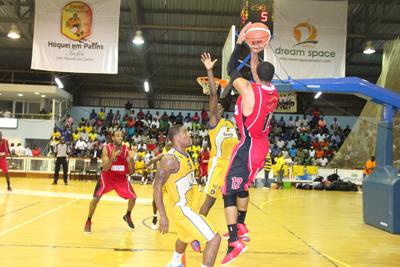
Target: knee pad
230	200
243	194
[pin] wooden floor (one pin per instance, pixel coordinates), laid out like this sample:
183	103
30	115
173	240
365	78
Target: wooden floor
42	225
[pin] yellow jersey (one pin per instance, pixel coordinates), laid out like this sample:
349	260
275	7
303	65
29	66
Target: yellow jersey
75	136
88	129
223	139
139	167
180	184
54	135
101	115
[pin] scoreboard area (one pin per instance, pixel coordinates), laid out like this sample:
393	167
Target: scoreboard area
257	11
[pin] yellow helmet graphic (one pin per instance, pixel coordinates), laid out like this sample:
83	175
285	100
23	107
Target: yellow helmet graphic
308	30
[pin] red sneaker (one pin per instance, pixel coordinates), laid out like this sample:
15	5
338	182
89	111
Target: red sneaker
196	245
128	219
88	227
9	189
234	249
242	231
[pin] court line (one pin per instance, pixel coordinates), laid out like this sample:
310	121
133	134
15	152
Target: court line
273	200
20	209
337	260
319	253
37	217
149	249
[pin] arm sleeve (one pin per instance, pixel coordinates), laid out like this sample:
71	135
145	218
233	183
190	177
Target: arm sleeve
234	59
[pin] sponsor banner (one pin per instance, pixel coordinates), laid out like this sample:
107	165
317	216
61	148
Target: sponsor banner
287	102
354	176
310	39
76	36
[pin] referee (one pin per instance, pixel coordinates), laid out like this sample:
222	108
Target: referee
61	151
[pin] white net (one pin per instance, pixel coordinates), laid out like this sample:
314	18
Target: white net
203	81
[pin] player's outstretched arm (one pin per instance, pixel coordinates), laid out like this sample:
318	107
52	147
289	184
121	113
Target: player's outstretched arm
209	64
168	165
242	85
154	160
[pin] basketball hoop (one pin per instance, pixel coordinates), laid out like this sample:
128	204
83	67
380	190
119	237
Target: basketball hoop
203	81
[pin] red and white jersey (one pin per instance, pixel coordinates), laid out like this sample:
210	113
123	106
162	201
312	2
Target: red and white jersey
205	157
4	149
257	123
119	167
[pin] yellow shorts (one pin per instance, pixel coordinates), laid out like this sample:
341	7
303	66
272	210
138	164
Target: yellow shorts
190	225
216	176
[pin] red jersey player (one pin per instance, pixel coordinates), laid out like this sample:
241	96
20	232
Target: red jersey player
253	112
4	152
117	162
203	163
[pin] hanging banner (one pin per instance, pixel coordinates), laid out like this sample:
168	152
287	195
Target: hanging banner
310	39
76	36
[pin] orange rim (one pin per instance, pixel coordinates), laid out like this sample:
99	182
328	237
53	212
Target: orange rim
223	83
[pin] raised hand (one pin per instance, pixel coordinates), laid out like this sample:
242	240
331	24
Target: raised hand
243	33
206	59
258	49
133	152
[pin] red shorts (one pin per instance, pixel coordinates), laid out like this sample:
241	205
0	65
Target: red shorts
248	158
4	165
120	184
203	169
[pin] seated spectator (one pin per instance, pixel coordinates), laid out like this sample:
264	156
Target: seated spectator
140	115
290	143
151	146
335	124
301	128
288	160
196	118
321	122
100	115
121	128
117	118
179	118
281	122
69	121
130	132
80	146
273	122
162	137
84	135
145	137
325	145
101	137
329	153
188	117
110	116
112	128
275	150
304	120
93	115
297	122
284	152
85	153
187	124
311	152
323	161
203	132
290	123
93	136
293	151
304	136
109	138
54	139
347	131
136	138
319	152
301	153
88	128
280	143
315	161
157	116
335	137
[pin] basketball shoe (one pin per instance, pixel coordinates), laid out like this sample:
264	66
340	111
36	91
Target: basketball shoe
154	223
88	227
242	231
234	249
128	219
196	245
170	265
9	189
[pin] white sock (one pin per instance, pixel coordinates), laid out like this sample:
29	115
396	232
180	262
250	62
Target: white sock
154	215
203	265
176	259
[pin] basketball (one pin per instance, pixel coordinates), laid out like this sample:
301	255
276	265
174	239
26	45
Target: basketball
258	35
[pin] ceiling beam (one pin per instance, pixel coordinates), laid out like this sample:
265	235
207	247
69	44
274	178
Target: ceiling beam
361	64
23	28
372	36
191	12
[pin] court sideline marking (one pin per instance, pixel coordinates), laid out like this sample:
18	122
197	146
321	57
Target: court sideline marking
38	217
20	209
331	260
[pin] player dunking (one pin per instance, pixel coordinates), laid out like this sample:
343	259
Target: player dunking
253	112
176	171
4	152
117	162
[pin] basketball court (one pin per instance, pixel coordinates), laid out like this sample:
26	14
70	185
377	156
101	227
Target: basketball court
42	225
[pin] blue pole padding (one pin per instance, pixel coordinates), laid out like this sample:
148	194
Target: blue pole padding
387	112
